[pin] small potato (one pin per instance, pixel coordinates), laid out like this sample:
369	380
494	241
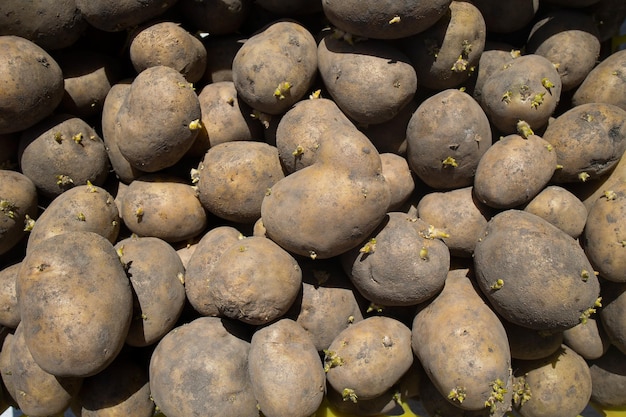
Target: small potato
276	67
608	377
222	50
157	287
75	303
18	203
368	358
254	281
159	119
513	171
559	385
529	344
588	139
527	88
507	17
201	368
116	15
371	81
612	313
10	310
604	237
400	179
459	214
32	84
446	137
534	274
399	264
234	177
169	44
462	345
286	372
606	83
561	208
62	152
85	208
588	339
446	54
150	200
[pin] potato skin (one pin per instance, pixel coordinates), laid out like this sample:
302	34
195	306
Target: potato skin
18	199
561	208
601	85
589	340
476	352
210	356
547	281
286	372
608	381
612	313
33	84
10	312
75	303
115	15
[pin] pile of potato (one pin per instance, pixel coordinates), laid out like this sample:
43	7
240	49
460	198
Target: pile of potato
245	208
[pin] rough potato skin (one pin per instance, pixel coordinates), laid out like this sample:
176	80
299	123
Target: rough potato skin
76	303
18	199
561	208
589	340
10	313
608	379
32	84
285	369
116	15
612	313
606	83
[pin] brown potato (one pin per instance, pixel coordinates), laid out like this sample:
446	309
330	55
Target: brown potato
605	83
534	274
608	379
152	198
507	17
115	15
446	137
276	67
400	179
75	303
33	84
18	203
612	313
561	208
286	372
529	344
588	339
207	349
234	177
222	17
10	311
390	136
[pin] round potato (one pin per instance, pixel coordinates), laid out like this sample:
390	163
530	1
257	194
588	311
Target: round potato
33	84
10	311
115	15
18	203
400	179
588	339
606	83
561	208
206	350
75	303
608	379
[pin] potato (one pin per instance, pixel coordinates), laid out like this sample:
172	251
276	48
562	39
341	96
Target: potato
496	55
18	203
276	67
85	208
36	391
390	136
33	84
569	39
514	170
199	269
222	50
62	152
608	379
527	88
371	80
75	303
115	16
254	281
446	54
603	237
588	139
612	313
8	389
368	358
169	44
507	17
561	208
157	287
446	137
328	303
400	179
51	24
111	106
234	177
459	214
201	368
529	344
221	17
590	191
384	20
473	369
384	404
88	76
10	311
122	388
286	373
158	120
559	384
605	83
335	203
152	198
589	340
533	274
224	117
399	264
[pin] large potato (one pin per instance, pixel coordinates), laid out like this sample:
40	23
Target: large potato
115	15
462	345
605	83
75	303
18	199
286	372
201	369
534	274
